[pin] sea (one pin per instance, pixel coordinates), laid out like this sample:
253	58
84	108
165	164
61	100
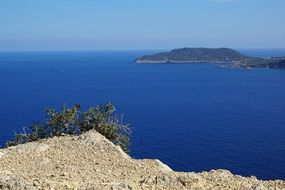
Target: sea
192	117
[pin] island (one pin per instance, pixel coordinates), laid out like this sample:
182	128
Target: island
225	56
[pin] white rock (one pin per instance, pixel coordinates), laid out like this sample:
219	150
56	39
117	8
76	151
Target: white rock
31	147
163	167
260	187
122	153
1	154
121	186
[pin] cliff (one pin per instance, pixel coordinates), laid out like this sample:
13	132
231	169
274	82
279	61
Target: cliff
90	161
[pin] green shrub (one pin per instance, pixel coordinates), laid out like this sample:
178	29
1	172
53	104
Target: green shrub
64	122
20	138
70	121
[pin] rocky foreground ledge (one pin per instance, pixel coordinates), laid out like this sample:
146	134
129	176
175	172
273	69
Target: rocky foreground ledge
92	162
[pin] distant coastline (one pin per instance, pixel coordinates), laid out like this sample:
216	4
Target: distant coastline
230	57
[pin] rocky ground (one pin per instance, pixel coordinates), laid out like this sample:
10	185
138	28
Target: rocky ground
92	162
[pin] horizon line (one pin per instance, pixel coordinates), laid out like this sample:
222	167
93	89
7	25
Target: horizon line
134	49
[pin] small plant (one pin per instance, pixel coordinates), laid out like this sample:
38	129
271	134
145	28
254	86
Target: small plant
102	119
64	122
70	121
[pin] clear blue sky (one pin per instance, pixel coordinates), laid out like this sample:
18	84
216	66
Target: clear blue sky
140	24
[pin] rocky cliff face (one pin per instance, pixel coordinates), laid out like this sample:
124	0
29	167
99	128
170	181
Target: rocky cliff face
90	161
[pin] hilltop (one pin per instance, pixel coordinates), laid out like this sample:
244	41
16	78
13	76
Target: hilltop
192	55
90	161
227	56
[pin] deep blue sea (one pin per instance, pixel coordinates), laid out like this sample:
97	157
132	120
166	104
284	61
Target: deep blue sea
193	117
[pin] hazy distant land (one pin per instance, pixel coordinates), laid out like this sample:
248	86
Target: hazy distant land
230	57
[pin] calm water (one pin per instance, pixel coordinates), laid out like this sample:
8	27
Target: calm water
192	117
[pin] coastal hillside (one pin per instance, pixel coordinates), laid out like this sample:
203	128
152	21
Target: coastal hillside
195	55
230	57
90	161
278	65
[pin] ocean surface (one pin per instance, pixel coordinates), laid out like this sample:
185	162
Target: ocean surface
193	117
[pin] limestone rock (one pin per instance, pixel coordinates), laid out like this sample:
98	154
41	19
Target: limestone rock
121	186
163	167
1	154
92	162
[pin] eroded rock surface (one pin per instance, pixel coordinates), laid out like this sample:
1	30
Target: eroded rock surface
92	162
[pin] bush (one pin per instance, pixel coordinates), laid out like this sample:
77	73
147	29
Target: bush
70	121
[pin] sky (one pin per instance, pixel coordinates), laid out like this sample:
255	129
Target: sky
30	25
